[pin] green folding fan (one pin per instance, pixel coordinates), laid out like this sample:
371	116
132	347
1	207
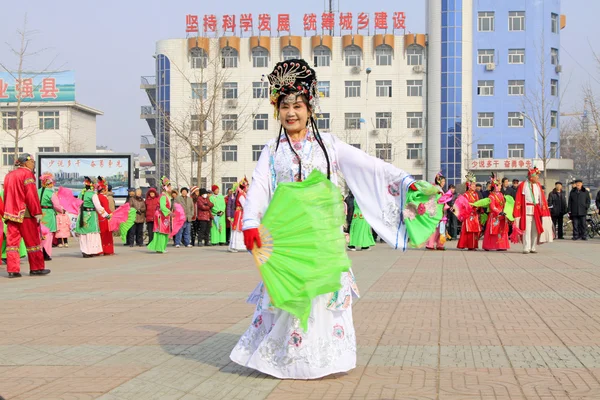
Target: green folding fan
303	251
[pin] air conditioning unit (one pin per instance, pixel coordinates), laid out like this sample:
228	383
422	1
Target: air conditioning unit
355	70
419	162
490	66
418	132
558	69
231	103
375	132
419	69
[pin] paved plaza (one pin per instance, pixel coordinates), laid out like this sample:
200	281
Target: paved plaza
430	325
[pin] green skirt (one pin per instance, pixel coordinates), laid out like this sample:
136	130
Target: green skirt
49	219
159	242
90	223
360	234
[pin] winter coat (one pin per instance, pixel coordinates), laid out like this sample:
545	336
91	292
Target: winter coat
579	202
204	207
557	202
111	201
598	200
152	203
140	205
188	206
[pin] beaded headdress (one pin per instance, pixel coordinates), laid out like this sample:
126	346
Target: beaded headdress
533	171
164	182
494	180
470	179
291	78
47	179
101	184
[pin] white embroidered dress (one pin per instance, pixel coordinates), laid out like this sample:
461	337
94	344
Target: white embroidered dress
274	343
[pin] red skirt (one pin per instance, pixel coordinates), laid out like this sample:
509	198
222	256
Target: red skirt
106	237
468	240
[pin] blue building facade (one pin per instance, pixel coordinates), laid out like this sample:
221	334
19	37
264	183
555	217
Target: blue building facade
163	106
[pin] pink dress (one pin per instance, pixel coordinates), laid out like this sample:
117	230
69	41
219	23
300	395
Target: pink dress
63	226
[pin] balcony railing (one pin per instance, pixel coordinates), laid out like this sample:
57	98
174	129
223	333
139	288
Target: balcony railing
148	140
149	80
148	110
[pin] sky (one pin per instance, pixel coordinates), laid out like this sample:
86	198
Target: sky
110	44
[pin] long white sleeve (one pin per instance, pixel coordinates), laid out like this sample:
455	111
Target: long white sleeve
98	206
259	194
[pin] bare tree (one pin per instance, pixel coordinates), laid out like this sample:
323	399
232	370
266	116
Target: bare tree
71	142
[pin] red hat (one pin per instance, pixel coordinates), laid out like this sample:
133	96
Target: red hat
533	171
214	187
101	185
193	189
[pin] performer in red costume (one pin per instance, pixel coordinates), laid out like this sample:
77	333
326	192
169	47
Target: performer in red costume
532	215
106	236
23	213
495	236
471	227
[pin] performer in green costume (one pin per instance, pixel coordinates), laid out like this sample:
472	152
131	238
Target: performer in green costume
87	226
162	219
218	232
50	206
361	236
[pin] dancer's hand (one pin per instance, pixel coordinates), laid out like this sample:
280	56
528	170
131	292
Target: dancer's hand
251	236
38	218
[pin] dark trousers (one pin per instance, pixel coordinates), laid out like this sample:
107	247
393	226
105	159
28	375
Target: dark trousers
228	234
452	225
204	232
150	230
557	221
194	231
579	227
135	235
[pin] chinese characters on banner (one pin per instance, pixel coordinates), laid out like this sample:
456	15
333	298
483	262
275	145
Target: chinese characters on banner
344	21
31	87
25	89
501	164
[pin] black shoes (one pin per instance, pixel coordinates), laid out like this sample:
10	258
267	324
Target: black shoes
40	272
14	275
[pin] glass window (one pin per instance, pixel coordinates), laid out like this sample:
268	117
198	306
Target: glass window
229	152
48	150
261	122
414	55
352	120
323	122
260	90
230	57
256	150
197	121
553	119
357	145
204	153
323	87
8	155
515	120
383	151
516	150
229	122
230	90
554	56
383	55
485	88
322	56
485	56
516	87
553	149
554	22
198	58
352	88
414	120
414	88
553	87
48	119
227	183
485	21
516	21
383	88
485	151
414	151
485	120
260	57
516	56
199	91
9	120
352	56
383	120
290	53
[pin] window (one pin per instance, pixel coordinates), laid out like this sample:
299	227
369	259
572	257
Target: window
229	122
290	53
198	58
383	151
414	151
485	88
48	119
229	152
554	56
553	119
323	121
414	120
515	120
48	150
485	151
230	57
357	145
554	23
322	56
199	91
323	87
516	21
256	150
383	120
9	120
352	56
352	88
516	87
8	155
352	120
195	121
260	57
553	149
260	90
414	88
414	55
227	183
383	54
516	56
485	21
553	87
485	120
485	56
383	88
516	150
230	90
204	156
261	122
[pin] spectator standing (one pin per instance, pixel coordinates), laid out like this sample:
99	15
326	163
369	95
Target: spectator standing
230	206
152	203
557	202
136	232
187	204
194	224
110	196
579	203
452	224
204	217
